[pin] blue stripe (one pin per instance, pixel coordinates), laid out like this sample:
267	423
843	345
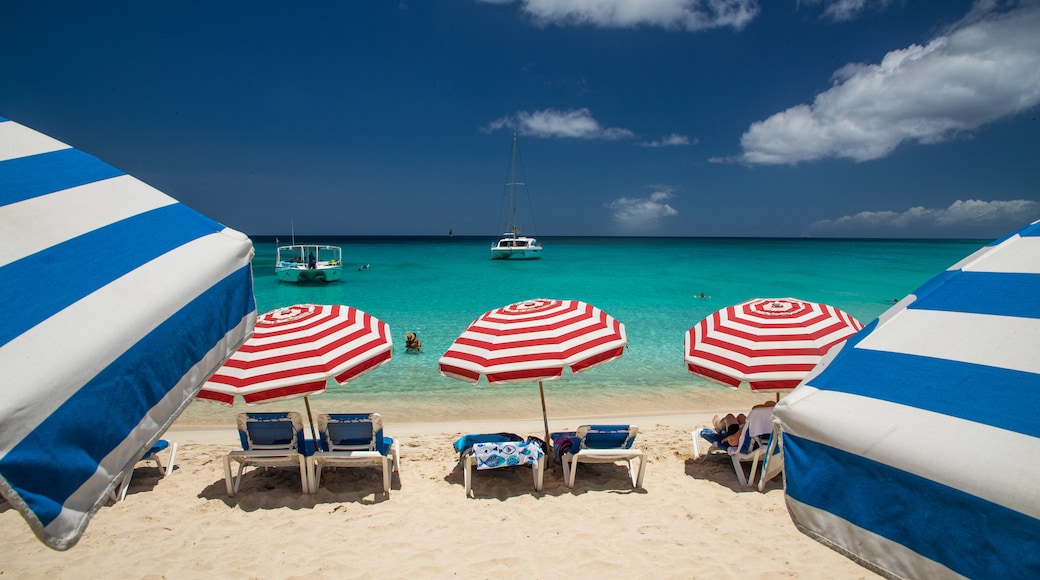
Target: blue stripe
971	536
64	450
981	293
47	282
1002	398
2	119
1030	231
24	178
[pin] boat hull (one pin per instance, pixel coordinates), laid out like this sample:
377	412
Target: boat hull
330	274
516	253
513	247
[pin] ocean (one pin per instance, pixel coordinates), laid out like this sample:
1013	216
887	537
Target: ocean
436	286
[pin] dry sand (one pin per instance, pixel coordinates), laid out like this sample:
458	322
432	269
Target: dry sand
691	520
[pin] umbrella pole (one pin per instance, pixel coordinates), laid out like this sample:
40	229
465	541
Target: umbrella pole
310	419
545	417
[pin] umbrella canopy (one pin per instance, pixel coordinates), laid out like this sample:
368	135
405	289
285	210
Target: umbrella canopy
533	341
769	344
915	448
120	302
294	350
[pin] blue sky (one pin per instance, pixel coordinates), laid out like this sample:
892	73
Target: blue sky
872	118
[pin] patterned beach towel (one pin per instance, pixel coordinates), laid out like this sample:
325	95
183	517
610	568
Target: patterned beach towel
494	455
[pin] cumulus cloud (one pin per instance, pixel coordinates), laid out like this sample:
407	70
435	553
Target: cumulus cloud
642	214
575	124
668	141
985	68
691	15
970	218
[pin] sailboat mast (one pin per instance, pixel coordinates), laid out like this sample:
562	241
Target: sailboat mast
513	227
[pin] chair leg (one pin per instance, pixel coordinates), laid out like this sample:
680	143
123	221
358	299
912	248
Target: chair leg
469	472
314	472
173	455
231	487
305	480
539	472
740	470
642	470
573	470
387	466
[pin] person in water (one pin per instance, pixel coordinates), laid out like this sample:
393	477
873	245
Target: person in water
412	342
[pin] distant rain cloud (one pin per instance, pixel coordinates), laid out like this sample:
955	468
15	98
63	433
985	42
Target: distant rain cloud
690	15
985	68
674	139
549	123
642	214
962	219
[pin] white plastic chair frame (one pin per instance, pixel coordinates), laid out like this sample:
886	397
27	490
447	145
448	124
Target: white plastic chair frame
612	455
353	455
119	493
469	460
263	455
763	444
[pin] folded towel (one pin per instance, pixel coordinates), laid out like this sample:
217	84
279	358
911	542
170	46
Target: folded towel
466	441
494	455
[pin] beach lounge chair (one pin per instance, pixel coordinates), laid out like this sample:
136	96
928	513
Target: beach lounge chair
268	440
494	450
353	440
752	446
599	444
152	455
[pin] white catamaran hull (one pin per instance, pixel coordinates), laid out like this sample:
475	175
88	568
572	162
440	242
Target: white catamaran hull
296	273
309	263
516	249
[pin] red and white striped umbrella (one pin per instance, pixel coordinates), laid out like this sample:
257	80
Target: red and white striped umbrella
294	350
532	341
769	344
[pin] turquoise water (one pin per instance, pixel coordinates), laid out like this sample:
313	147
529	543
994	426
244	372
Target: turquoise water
436	286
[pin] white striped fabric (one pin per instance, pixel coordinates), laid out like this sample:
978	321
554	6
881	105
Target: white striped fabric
768	344
294	350
119	301
915	449
534	341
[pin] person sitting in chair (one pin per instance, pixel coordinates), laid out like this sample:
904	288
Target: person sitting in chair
727	429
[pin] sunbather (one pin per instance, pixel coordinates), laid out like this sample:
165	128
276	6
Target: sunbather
727	429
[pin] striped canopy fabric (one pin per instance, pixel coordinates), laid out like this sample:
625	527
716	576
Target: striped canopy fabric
533	341
119	302
768	344
294	351
915	449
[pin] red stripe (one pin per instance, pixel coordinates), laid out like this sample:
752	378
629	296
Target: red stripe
525	375
360	369
459	373
301	390
222	398
774	385
724	379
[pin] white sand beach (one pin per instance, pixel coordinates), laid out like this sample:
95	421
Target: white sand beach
692	519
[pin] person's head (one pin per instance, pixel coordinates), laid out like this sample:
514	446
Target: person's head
409	336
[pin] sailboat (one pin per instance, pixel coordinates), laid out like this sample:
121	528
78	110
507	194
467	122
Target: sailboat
513	245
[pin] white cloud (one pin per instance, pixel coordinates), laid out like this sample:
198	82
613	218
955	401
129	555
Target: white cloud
576	124
668	140
984	69
689	15
642	214
845	10
963	219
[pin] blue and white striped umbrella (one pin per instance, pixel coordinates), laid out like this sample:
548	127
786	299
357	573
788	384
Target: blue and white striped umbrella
915	450
118	303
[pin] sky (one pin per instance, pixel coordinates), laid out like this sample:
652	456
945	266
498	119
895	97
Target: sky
780	118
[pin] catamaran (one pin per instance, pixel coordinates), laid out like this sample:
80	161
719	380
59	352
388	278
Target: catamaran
309	263
513	245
